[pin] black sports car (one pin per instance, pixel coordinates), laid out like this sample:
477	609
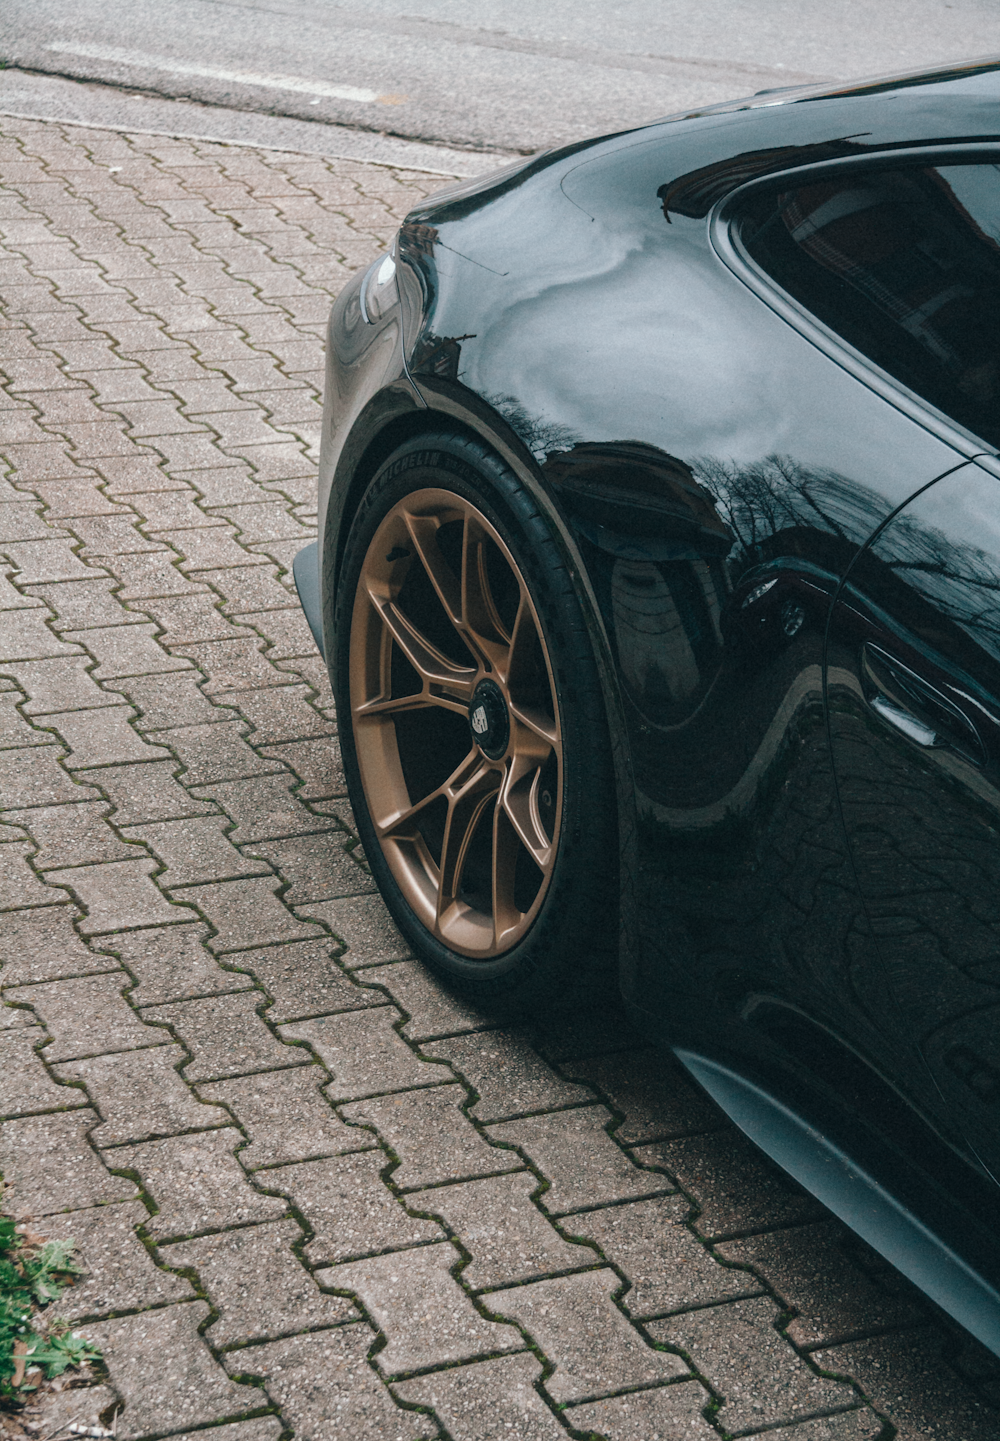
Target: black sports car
659	582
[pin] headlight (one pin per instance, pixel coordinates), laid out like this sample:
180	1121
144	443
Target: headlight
378	290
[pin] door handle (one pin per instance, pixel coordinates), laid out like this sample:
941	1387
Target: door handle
905	721
915	707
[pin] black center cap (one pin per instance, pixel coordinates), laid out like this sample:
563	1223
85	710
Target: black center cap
488	719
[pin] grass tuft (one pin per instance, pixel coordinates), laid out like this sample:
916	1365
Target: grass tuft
33	1273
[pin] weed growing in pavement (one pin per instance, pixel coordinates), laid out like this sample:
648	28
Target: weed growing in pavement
33	1272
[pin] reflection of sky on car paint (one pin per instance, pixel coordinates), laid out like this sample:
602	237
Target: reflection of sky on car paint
738	357
946	545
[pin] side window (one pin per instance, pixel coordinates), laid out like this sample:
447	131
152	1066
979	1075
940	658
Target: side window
904	264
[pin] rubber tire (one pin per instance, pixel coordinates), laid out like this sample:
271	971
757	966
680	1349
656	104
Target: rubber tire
573	942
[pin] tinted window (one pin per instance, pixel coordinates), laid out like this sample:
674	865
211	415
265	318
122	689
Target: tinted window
904	264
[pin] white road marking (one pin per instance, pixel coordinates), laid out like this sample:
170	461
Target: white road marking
138	58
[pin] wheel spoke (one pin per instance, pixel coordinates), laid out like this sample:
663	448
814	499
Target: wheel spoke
480	613
423	531
402	823
423	700
519	799
431	664
507	918
467	802
538	722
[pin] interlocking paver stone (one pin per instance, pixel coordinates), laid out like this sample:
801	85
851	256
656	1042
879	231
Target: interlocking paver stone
510	1077
171	510
14	729
103	737
72	835
309	668
19	885
225	1035
246	914
45	560
171	963
433	1011
216	752
14	1018
325	1387
662	1413
508	1237
593	1031
84	603
21	521
363	924
737	1188
317	764
86	1016
165	1373
594	1348
26	636
145	576
575	1153
120	895
317	867
761	1378
426	1316
906	1378
168	701
127	650
33	774
302	979
285	715
364	1054
812	1269
119	1273
195	849
285	1115
487	1400
668	1267
655	1097
110	535
259	1287
42	945
25	1086
433	1138
286	631
48	1165
196	1182
185	618
254	1428
233	665
148	792
140	1094
348	1206
84	1405
247	589
61	685
263	808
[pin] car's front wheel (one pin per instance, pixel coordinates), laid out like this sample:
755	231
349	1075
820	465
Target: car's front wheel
473	728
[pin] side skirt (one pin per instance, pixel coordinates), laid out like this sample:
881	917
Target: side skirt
856	1197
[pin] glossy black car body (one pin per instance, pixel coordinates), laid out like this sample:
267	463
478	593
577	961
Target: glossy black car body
790	563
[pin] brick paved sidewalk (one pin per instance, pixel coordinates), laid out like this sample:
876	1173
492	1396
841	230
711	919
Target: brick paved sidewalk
313	1193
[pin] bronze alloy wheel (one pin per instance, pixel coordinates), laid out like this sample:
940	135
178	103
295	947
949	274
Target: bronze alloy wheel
456	723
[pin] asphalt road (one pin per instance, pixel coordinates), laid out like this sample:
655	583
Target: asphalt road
474	74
